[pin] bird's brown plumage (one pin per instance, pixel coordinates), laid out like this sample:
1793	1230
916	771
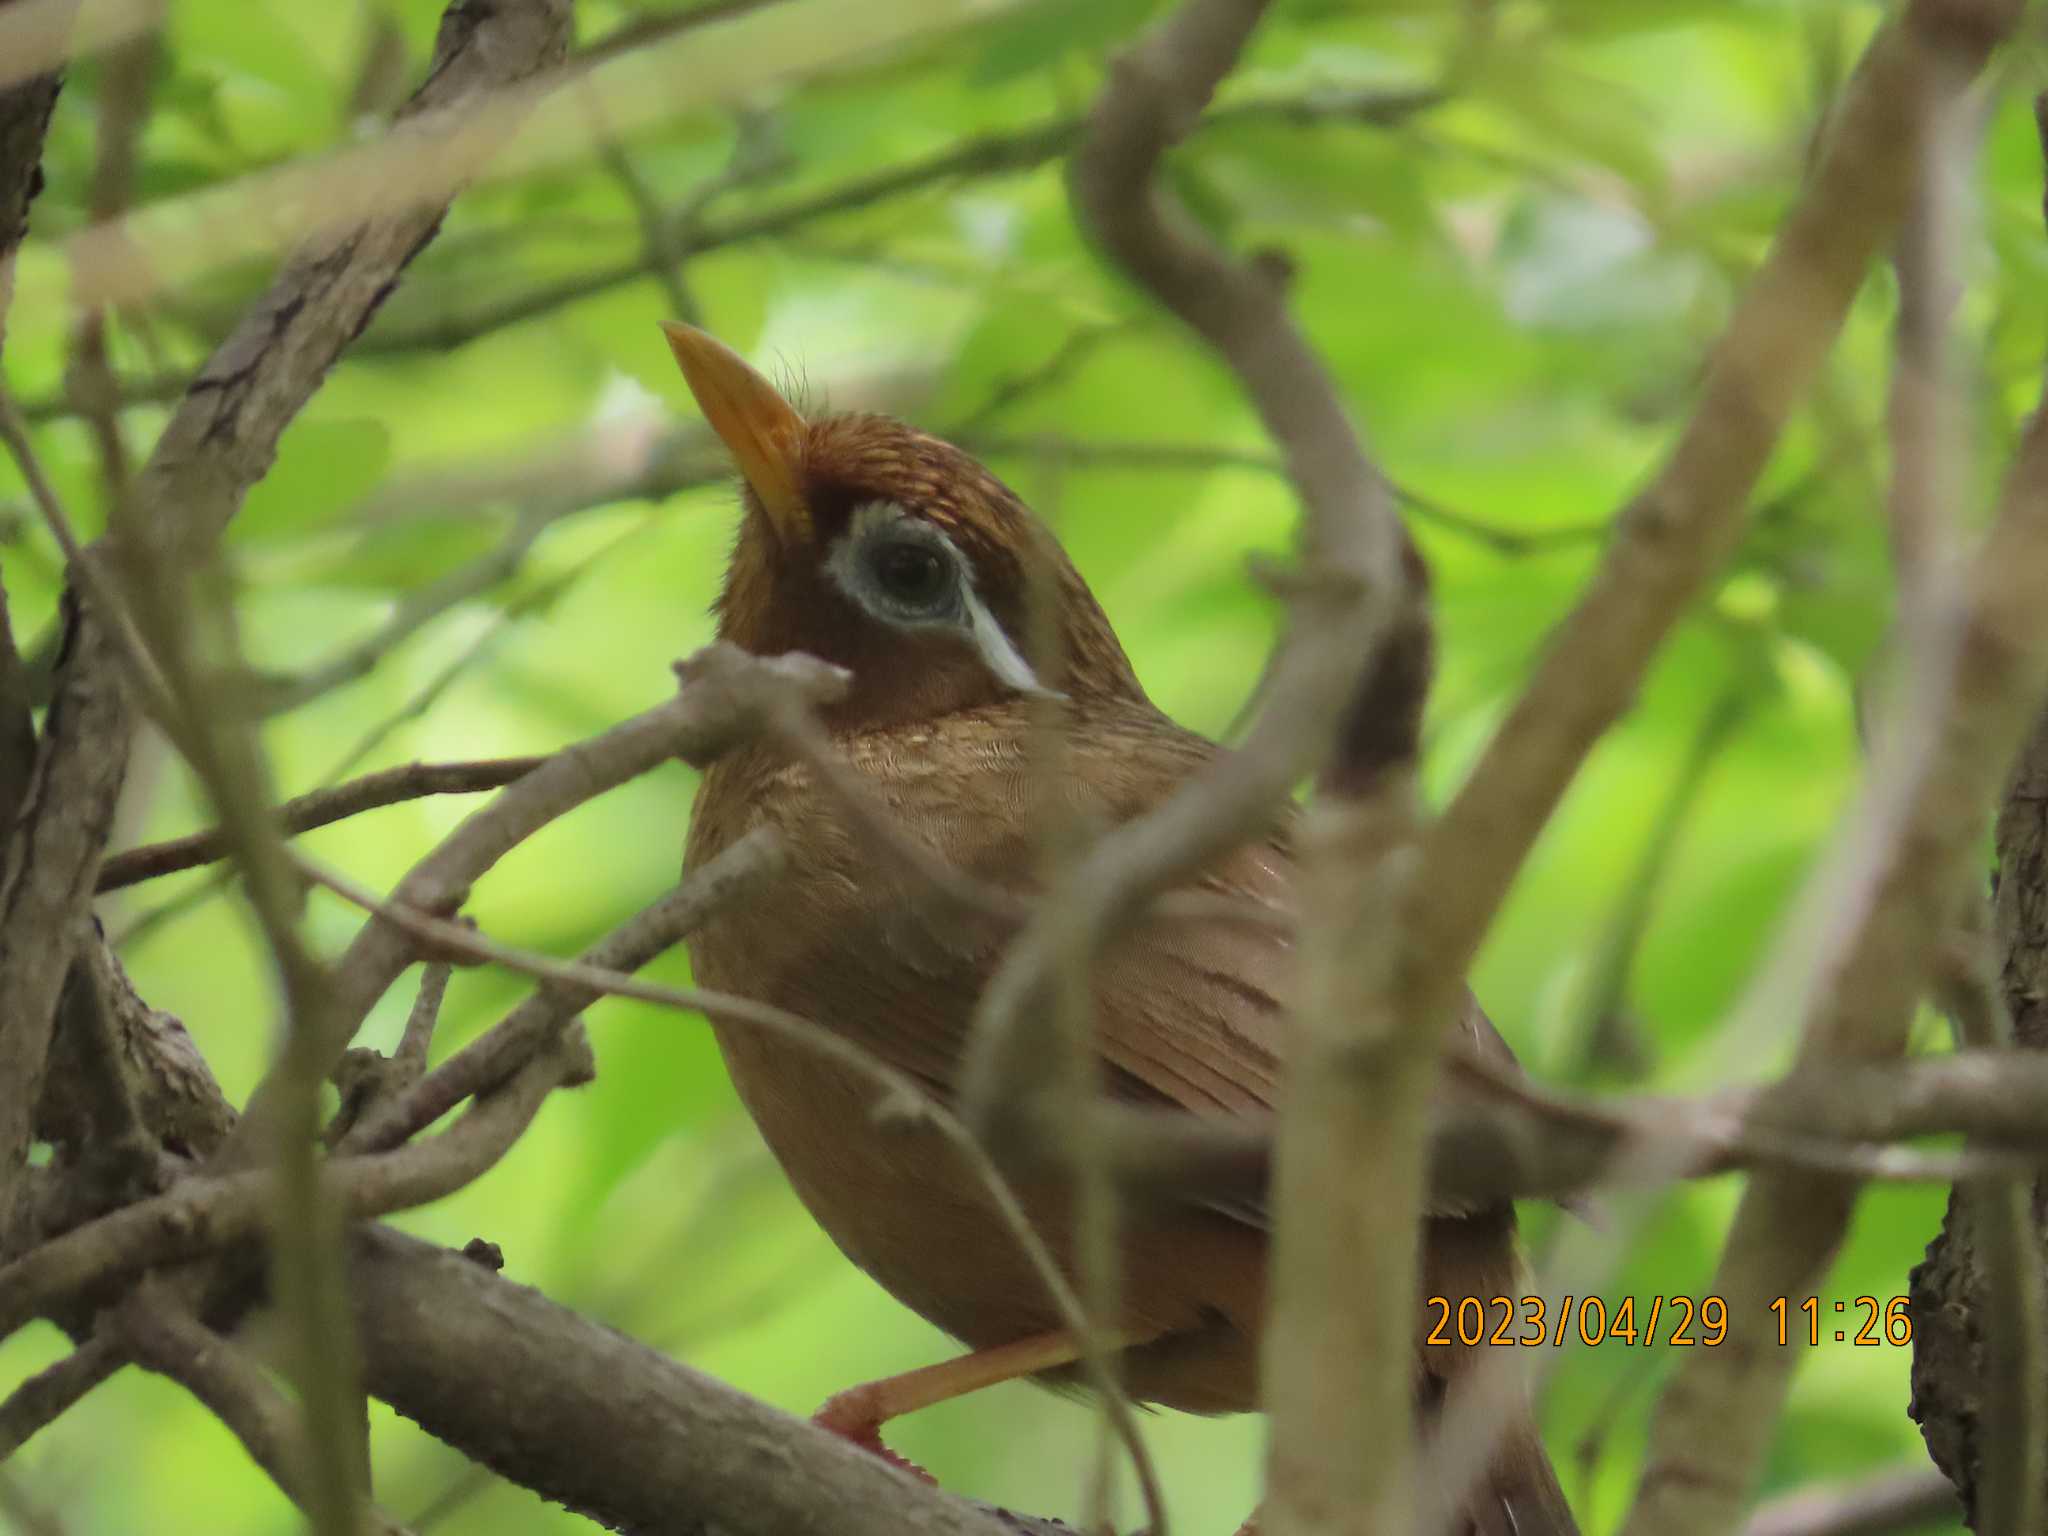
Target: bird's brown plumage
1188	1014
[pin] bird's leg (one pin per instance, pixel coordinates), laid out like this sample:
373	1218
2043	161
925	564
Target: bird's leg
859	1413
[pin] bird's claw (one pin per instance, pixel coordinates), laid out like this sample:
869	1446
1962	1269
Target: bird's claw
869	1438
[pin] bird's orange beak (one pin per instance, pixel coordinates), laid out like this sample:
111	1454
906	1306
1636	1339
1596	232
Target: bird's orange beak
762	430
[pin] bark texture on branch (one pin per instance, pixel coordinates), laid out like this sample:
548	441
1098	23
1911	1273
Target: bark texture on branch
595	1421
1713	1427
62	799
218	443
25	108
224	435
1949	1287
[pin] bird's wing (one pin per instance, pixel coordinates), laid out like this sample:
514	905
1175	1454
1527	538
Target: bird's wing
1194	1013
1191	1012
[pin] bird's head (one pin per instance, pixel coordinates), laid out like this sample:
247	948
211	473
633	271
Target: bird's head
894	555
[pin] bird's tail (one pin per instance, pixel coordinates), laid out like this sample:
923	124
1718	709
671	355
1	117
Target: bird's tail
1474	1398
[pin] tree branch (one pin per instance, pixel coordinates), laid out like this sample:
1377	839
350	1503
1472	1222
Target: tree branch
1677	531
1338	1341
723	695
175	1344
1888	1505
52	1392
735	875
208	1213
589	1418
450	324
1789	1225
25	107
390	786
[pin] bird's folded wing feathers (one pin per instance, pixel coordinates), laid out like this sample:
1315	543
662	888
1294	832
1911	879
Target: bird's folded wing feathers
1193	1014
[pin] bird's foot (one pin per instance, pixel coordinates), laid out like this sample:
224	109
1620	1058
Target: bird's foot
850	1417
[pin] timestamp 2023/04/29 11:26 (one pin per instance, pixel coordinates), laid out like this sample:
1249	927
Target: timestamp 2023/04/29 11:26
1679	1321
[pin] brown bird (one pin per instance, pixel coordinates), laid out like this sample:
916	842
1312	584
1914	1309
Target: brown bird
901	559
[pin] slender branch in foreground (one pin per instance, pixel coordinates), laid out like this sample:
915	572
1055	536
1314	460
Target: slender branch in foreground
412	613
38	36
452	324
1895	1502
898	1096
53	1391
410	1059
89	573
1502	1138
323	807
736	875
1679	529
1336	1375
26	102
723	696
207	1213
643	31
46	890
125	100
166	1339
575	1409
1977	1297
1080	453
1788	1226
59	828
1338	618
165	542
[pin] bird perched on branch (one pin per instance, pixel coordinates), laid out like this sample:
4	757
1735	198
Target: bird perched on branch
901	559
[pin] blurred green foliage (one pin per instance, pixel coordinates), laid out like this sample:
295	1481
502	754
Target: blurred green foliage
1513	286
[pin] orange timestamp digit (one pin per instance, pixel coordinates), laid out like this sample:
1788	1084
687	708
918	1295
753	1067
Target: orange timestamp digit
1896	1315
1530	1321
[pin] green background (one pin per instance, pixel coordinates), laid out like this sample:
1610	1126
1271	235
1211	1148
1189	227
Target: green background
1514	290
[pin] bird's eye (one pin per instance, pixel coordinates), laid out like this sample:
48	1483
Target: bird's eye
916	577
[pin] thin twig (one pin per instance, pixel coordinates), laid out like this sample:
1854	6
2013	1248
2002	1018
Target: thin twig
38	36
528	123
85	566
412	613
645	31
736	875
52	1392
164	539
655	234
323	807
1675	534
210	1212
897	1094
169	1340
59	836
451	325
1788	1226
1929	429
1601	1037
723	694
1084	453
410	1059
1890	1504
1345	1447
126	78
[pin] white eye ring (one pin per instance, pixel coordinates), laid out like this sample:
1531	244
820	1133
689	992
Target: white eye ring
851	566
